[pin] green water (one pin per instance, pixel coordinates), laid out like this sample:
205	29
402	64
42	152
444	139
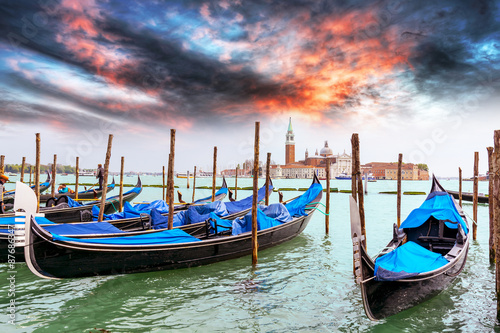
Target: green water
305	284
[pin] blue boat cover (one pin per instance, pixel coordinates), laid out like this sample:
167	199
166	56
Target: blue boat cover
11	220
409	259
238	206
220	191
83	229
193	214
297	207
160	205
73	203
157	238
267	217
441	206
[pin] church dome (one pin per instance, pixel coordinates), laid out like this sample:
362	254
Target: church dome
326	151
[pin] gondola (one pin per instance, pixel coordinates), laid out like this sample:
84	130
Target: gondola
426	254
467	196
9	196
133	226
82	195
52	256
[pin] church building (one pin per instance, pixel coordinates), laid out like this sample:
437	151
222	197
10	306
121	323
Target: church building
306	168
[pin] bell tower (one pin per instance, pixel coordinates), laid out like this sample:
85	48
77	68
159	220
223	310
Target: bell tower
290	144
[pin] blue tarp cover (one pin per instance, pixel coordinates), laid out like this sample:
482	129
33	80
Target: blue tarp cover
441	206
297	206
156	238
238	206
83	229
193	214
408	260
73	203
11	220
267	217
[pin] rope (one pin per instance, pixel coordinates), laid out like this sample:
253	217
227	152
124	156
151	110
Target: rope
470	217
319	210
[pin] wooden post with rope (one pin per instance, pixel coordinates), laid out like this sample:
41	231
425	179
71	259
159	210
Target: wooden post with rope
327	210
105	179
475	199
37	172
214	174
255	243
171	180
23	165
398	204
187	173
54	173
491	205
194	182
163	186
121	182
268	177
77	174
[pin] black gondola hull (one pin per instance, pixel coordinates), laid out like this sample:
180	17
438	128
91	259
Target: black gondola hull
466	196
68	260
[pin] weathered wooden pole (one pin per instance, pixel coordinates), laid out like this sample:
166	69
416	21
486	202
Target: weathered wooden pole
496	214
236	183
23	165
77	175
400	164
121	182
214	174
171	176
31	173
37	171
54	173
268	177
2	163
474	202
188	179
167	186
255	243
359	185
194	182
327	210
460	186
354	189
105	179
163	186
491	205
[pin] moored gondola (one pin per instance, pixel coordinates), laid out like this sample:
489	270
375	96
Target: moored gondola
9	196
53	256
82	195
426	253
467	196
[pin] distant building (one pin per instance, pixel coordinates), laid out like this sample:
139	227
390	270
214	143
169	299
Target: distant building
383	170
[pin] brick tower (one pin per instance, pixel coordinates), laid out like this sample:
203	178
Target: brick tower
290	144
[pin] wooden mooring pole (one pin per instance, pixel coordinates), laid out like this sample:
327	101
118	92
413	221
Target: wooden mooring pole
496	213
77	174
171	180
163	187
490	205
54	173
255	243
236	183
214	175
121	182
194	182
37	171
460	186
23	165
400	164
358	187
31	173
2	164
268	177
187	173
105	179
474	202
327	209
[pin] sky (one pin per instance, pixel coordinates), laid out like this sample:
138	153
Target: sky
419	78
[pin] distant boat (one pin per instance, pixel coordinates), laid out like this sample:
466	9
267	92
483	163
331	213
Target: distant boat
345	176
11	174
183	175
86	172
